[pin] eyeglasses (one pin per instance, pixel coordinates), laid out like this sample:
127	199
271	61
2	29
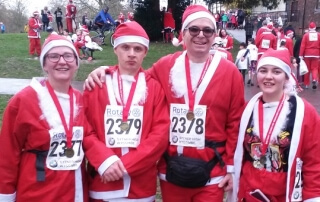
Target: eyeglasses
195	31
55	57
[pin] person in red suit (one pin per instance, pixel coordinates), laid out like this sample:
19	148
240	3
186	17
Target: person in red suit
71	12
310	53
262	29
227	40
168	25
266	40
278	146
288	39
206	97
121	18
131	117
43	129
34	34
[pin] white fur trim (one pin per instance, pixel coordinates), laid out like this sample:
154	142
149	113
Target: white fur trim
46	104
176	42
275	62
57	43
197	15
107	163
8	197
131	38
317	199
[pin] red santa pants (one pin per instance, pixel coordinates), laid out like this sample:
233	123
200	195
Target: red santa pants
78	46
171	192
312	64
69	24
34	46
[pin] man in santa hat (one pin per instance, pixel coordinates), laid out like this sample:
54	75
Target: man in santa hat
34	35
310	52
71	12
266	40
206	97
130	115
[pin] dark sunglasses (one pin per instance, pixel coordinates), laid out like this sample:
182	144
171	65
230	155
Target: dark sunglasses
195	31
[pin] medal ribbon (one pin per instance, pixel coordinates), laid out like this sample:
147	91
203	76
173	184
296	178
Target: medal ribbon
192	94
265	142
68	130
126	107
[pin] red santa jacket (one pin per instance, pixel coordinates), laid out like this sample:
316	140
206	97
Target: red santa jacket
222	116
29	116
265	41
139	162
34	28
223	53
71	11
310	44
168	21
262	29
289	44
304	146
227	42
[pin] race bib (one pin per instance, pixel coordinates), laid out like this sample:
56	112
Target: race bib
313	36
57	158
265	43
298	183
185	132
115	136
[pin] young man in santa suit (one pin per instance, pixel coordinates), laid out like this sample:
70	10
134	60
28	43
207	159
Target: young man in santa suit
206	97
71	12
130	115
34	35
310	53
266	40
289	43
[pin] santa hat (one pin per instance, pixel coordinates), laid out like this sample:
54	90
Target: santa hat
270	26
278	58
289	32
177	41
218	41
36	13
53	41
130	32
194	12
312	26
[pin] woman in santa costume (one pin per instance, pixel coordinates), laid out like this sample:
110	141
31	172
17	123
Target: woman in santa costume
277	154
130	115
206	96
34	35
41	155
227	40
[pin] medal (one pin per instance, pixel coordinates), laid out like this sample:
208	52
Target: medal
69	152
124	126
190	115
263	159
257	164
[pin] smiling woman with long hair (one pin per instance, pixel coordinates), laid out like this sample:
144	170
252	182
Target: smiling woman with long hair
276	155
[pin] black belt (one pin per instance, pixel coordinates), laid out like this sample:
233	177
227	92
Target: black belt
40	164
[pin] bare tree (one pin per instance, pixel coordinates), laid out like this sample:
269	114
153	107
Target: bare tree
15	16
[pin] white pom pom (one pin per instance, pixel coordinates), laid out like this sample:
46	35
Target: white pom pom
175	42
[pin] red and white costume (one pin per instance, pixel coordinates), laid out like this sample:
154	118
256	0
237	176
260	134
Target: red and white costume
265	41
289	44
29	116
262	29
227	42
169	25
34	36
140	162
223	53
303	146
71	12
310	51
222	116
121	18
